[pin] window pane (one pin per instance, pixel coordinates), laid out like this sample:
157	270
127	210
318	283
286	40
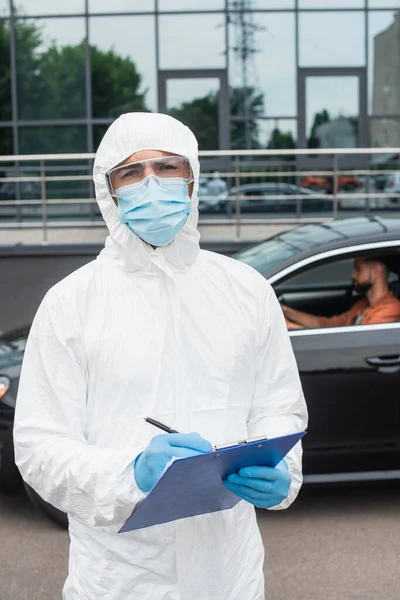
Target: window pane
5	72
272	4
98	133
331	3
4	8
49	7
384	3
332	112
191	5
195	102
115	6
6	141
385	133
264	133
270	71
384	63
52	140
319	39
334	273
50	68
181	49
123	65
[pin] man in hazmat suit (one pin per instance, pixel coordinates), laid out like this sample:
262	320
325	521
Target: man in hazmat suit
155	327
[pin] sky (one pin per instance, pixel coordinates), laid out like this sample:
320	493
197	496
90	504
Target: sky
198	42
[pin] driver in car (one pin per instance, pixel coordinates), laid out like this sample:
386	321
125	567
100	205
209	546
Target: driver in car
378	304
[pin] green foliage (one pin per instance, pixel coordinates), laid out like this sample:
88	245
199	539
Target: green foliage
280	140
5	73
201	115
320	118
51	85
255	108
115	85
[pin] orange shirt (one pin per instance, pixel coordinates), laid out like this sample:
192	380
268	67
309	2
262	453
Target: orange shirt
387	310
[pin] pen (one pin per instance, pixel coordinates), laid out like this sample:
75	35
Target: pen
160	425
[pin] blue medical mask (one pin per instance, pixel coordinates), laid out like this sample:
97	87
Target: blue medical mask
155	209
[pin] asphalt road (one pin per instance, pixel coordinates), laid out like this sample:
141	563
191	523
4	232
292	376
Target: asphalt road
332	544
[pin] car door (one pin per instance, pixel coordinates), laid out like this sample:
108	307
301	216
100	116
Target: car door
351	382
350	377
253	200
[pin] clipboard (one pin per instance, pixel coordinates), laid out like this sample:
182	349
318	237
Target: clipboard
194	486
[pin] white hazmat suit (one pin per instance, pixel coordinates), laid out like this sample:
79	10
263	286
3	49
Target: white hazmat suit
189	337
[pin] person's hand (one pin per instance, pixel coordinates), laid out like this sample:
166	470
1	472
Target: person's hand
284	308
291	325
150	465
262	486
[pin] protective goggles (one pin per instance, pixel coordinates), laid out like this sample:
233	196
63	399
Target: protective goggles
165	167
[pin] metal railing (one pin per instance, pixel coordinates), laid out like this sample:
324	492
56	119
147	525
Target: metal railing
36	191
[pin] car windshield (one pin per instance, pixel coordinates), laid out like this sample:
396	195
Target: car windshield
266	255
284	246
13	343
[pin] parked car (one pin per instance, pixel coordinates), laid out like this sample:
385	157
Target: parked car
392	186
347	183
350	375
275	197
12	346
25	190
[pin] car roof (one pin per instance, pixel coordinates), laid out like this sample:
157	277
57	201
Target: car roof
316	238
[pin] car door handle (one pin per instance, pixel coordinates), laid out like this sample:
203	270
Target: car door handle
385	364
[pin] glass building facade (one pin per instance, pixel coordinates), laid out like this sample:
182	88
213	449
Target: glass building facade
241	74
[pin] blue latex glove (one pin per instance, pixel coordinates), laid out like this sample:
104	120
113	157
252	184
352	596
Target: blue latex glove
262	486
150	465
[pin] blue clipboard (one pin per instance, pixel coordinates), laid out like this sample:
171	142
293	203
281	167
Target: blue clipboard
194	486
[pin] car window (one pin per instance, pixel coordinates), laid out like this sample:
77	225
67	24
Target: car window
322	290
256	192
333	273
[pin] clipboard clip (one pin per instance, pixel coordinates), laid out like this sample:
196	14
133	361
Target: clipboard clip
239	443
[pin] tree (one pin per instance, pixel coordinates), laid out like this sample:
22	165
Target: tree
255	103
115	85
27	41
201	115
51	85
320	118
280	140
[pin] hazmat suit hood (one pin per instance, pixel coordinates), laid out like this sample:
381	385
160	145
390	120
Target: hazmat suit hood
130	133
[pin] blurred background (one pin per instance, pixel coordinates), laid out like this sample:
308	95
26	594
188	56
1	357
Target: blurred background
296	108
271	78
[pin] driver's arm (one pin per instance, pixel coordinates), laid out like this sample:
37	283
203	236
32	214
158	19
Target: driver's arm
301	319
290	325
296	319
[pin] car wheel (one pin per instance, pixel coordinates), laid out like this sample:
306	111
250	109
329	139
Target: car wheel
10	478
52	513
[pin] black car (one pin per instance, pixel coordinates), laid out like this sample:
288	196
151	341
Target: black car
350	375
275	197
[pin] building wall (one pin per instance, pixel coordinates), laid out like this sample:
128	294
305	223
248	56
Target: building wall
386	86
69	68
